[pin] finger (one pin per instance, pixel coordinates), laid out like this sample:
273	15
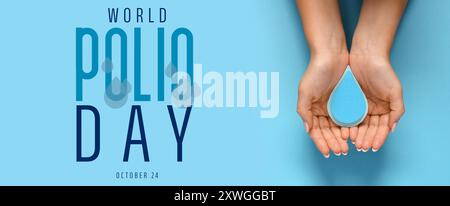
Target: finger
362	129
345	132
334	128
370	134
329	137
319	141
344	146
353	134
382	133
338	134
397	109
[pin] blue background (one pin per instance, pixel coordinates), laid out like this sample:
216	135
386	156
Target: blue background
228	146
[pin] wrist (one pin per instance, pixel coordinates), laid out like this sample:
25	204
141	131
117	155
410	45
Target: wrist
328	45
329	51
369	60
329	61
370	48
369	57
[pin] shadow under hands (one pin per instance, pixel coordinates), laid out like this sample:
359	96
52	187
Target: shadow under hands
357	168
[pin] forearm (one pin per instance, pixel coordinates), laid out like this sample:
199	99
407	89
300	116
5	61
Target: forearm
322	26
377	26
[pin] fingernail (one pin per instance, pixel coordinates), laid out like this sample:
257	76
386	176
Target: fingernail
358	149
393	127
337	154
364	150
353	142
327	156
374	150
306	127
345	153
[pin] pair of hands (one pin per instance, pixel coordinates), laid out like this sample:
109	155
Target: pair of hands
380	85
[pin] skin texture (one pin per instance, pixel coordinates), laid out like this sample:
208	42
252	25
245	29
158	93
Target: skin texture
369	60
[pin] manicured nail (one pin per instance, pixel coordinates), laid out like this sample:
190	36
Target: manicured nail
374	150
306	127
327	156
393	127
337	154
345	153
364	150
353	142
358	149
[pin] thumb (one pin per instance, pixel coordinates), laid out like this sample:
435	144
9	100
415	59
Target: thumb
304	110
397	109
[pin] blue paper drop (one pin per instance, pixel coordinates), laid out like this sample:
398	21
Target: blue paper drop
347	105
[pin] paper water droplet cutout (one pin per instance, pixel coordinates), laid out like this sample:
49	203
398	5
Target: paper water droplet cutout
347	105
